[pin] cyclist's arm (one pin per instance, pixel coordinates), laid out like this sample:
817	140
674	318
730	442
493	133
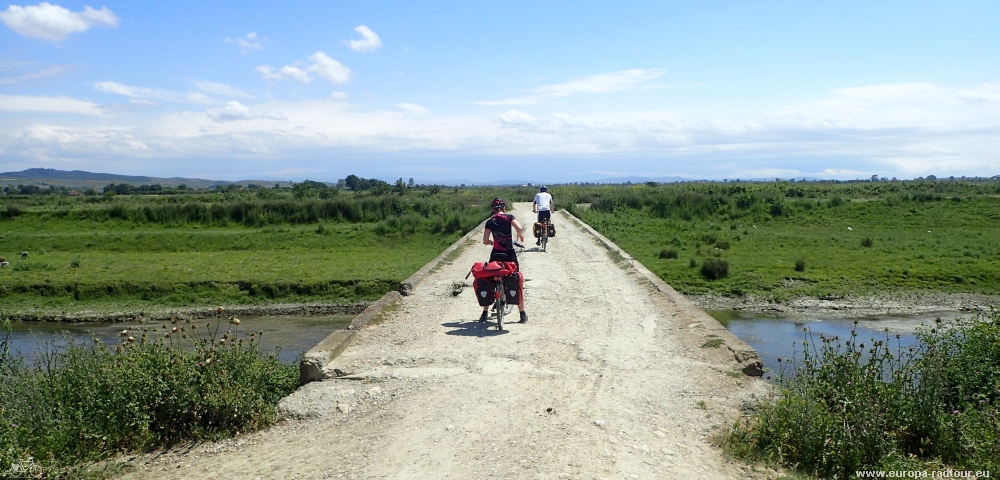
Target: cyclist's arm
520	231
552	206
534	205
486	237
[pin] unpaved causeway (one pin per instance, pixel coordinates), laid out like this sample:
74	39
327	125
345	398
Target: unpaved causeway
608	379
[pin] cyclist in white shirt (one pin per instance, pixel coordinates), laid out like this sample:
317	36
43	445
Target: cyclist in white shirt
544	206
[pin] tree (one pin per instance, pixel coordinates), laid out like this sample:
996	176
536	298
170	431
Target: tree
410	183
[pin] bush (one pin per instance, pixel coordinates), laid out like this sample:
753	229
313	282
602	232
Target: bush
693	263
867	242
722	245
852	405
157	388
800	265
665	253
715	268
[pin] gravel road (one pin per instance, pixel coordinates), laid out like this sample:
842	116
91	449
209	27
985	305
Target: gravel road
608	379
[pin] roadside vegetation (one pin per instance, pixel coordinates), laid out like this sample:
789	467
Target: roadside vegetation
849	404
231	245
782	240
80	404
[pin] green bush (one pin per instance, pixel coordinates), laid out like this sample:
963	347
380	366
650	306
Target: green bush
722	245
668	253
156	388
715	268
800	265
867	242
854	405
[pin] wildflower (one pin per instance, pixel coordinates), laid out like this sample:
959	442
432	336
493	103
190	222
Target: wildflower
131	338
220	310
174	330
166	335
235	321
848	382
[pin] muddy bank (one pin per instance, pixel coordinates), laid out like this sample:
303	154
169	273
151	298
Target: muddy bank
849	306
296	309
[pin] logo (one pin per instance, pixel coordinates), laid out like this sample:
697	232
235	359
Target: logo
23	469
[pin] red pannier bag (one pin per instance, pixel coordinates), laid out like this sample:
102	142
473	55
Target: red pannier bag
493	269
484	275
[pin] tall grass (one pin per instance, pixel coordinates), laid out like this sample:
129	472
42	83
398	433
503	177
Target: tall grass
850	404
159	386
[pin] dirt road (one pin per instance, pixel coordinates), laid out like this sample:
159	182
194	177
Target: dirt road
608	379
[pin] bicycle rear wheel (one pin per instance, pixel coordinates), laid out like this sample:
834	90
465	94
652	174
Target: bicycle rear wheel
500	311
545	240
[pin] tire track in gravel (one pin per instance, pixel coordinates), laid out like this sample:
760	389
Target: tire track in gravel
607	380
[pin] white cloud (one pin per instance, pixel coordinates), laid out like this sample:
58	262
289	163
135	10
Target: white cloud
329	69
220	89
237	111
368	43
514	117
247	44
52	22
413	109
27	103
600	83
322	66
340	95
142	102
45	72
151	93
889	130
288	72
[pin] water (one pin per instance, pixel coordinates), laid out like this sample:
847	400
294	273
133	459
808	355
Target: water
294	335
774	336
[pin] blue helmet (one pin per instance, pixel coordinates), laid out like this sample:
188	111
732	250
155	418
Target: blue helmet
543	189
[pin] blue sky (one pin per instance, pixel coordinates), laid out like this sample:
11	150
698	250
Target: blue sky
536	91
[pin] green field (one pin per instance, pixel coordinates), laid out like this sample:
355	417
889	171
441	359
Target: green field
119	253
784	240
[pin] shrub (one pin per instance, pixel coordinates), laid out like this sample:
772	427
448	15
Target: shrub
800	265
867	242
709	238
75	263
157	388
693	263
722	245
852	405
665	253
715	268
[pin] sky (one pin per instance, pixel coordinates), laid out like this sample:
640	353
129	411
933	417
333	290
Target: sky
488	91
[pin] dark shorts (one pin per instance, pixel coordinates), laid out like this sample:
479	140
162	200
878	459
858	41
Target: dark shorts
504	256
544	216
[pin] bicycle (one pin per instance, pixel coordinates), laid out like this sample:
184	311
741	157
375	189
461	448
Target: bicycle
508	275
543	233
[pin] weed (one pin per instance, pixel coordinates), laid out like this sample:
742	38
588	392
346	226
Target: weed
158	387
693	263
867	242
701	404
668	253
722	245
800	265
713	343
714	268
854	405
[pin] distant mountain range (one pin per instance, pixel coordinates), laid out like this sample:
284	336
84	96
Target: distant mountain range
81	179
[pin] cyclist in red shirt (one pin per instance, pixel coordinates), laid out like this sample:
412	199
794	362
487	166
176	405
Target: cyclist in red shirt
500	226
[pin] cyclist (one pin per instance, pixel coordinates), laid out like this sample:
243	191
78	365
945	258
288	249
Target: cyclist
499	226
544	206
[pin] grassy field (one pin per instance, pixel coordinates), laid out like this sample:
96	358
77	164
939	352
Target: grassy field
784	240
128	252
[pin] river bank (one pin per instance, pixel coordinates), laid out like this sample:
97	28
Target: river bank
161	314
854	306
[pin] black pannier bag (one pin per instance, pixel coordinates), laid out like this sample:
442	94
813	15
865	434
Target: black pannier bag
484	291
552	230
537	230
512	286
